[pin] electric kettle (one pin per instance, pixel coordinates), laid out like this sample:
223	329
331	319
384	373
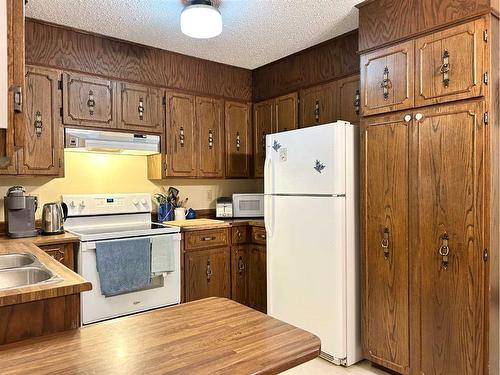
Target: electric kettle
53	216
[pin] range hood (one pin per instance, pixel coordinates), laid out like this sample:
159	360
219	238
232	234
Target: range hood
83	140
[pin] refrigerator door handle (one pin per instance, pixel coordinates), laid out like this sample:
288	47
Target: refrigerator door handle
267	174
268	218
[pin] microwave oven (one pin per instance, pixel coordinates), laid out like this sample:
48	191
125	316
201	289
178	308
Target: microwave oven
248	205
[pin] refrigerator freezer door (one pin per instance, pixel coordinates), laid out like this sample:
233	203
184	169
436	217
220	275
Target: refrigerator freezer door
306	266
307	161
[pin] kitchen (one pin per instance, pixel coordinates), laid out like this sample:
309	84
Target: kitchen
106	106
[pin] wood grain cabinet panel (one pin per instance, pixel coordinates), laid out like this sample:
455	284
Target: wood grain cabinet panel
257	281
448	270
207	274
348	99
210	137
63	253
43	132
317	105
181	135
286	113
387	81
239	274
238	139
264	124
88	101
239	234
140	108
385	252
450	64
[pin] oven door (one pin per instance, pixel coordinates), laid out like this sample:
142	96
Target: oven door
164	290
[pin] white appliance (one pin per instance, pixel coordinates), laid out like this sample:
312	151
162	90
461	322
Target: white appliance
84	140
4	79
248	205
105	217
311	218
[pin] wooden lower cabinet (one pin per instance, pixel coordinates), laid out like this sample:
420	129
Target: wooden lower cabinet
239	274
424	219
207	274
63	253
257	281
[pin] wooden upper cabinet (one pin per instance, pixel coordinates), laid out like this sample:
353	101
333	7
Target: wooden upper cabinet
348	99
450	64
317	105
384	207
43	132
387	82
238	139
140	108
181	136
88	101
210	137
286	113
448	270
207	274
264	123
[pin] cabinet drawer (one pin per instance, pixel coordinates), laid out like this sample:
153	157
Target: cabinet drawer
206	238
259	235
450	64
239	235
63	253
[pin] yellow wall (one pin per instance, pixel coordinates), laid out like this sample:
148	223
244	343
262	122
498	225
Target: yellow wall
87	173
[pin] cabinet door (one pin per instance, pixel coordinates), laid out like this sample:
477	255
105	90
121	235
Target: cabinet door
181	137
287	117
140	108
63	253
447	222
348	99
207	274
210	137
238	139
263	120
88	101
43	133
384	206
450	64
317	105
239	274
387	82
257	280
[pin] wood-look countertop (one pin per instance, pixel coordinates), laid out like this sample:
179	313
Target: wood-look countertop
42	240
209	336
72	283
224	224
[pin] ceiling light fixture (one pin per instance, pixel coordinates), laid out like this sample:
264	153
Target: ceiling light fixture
200	19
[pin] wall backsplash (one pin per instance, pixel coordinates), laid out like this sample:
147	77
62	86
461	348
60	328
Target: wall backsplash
88	173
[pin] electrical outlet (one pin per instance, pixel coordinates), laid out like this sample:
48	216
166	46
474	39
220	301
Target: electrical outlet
209	195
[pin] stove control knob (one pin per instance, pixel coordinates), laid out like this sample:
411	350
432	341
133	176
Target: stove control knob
144	202
135	202
72	204
82	204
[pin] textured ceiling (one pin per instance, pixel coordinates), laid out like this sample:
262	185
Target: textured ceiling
255	32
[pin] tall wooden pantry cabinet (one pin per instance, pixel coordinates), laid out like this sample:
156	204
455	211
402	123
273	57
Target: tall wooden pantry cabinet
429	192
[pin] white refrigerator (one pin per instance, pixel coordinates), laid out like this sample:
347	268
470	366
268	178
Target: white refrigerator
311	218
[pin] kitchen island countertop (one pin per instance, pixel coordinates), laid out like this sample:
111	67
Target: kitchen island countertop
214	335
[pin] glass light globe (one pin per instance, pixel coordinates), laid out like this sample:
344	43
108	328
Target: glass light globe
201	21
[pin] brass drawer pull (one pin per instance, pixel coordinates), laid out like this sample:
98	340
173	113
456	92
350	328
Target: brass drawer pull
263	236
241	265
385	243
181	136
210	139
238	234
357	102
317	111
209	271
140	109
208	238
444	250
238	141
91	102
445	68
38	124
386	83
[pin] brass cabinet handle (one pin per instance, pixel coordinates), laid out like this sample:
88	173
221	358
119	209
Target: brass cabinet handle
385	243
408	118
91	102
241	265
238	141
208	238
238	234
386	83
210	139
444	250
141	108
181	136
317	111
445	68
263	236
57	254
38	123
209	270
357	102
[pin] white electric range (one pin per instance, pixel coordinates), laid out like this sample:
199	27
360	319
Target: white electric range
112	217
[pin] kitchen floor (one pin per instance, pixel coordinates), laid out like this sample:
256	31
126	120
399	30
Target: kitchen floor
319	366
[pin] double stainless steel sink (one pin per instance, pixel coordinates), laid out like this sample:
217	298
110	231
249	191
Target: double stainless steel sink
23	269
